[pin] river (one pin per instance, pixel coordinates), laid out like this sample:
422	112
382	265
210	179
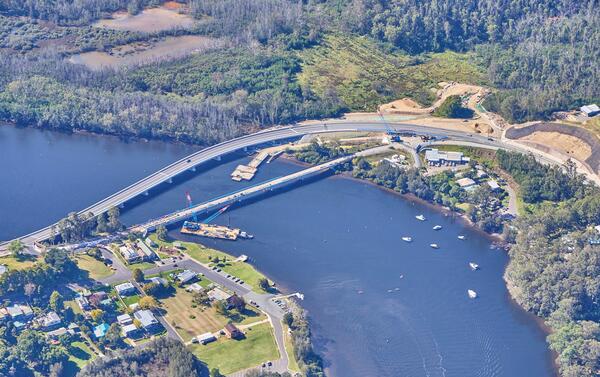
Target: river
378	306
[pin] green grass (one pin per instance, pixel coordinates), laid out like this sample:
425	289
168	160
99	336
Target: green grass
365	75
22	263
97	269
79	356
241	270
230	355
129	300
289	348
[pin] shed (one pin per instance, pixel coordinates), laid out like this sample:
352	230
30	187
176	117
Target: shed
590	110
125	289
493	185
233	332
206	338
465	182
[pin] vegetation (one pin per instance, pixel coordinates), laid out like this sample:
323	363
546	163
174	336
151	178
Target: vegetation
230	355
97	269
163	356
311	364
452	108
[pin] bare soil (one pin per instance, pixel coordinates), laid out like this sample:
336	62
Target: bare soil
567	144
149	20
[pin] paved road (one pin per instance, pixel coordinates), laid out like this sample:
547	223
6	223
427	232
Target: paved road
216	151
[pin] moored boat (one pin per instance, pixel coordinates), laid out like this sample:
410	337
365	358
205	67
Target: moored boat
434	245
474	266
461	237
472	293
437	227
420	217
407	239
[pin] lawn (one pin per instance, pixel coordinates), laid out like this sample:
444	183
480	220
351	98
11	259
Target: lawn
241	270
73	305
130	300
97	269
79	355
289	348
179	311
230	355
23	262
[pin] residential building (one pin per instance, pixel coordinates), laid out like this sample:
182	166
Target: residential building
186	276
131	331
195	287
124	319
56	333
50	320
150	243
217	294
465	182
147	252
3	315
233	332
147	319
83	303
493	185
158	280
130	255
125	289
590	110
3	269
19	312
100	330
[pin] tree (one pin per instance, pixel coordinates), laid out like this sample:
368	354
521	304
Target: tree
263	283
148	302
216	373
56	301
161	233
112	338
16	248
237	302
97	314
114	223
201	298
288	319
220	308
138	275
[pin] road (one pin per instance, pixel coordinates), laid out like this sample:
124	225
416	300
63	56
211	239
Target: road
167	173
273	312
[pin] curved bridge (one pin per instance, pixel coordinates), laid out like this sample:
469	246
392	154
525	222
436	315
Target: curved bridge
273	134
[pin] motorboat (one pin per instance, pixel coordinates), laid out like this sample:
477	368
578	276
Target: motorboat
472	293
407	239
420	217
437	227
461	237
474	266
434	245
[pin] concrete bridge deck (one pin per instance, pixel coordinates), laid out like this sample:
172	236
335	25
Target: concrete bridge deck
238	196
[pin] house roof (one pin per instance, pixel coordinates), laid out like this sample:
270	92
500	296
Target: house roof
218	294
465	182
129	328
14	311
493	184
50	319
124	318
158	280
186	275
230	328
593	108
124	287
145	249
145	317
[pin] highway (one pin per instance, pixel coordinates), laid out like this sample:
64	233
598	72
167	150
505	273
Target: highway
270	135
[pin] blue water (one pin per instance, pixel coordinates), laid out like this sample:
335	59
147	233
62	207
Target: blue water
379	306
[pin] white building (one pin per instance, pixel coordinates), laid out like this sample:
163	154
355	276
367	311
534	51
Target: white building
186	276
465	182
147	319
83	303
590	110
438	158
50	320
218	294
148	253
206	338
124	319
125	289
129	254
158	280
493	185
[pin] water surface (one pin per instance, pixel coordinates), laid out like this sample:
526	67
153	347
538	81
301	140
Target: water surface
379	306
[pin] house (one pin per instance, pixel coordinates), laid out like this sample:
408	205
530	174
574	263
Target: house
217	294
131	331
147	319
19	312
96	299
186	276
233	332
481	173
465	182
590	110
158	280
56	333
195	287
125	289
150	242
3	315
100	330
83	303
74	328
129	254
50	320
19	325
3	269
438	158
493	185
206	338
178	245
148	253
124	319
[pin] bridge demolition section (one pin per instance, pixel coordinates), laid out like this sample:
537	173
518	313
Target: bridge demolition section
238	196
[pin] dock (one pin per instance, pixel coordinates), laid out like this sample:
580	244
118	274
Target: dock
210	231
247	172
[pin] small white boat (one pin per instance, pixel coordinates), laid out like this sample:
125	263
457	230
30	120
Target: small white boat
461	237
437	227
420	217
407	239
472	293
434	245
474	266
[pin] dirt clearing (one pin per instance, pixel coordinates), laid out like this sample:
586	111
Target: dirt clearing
567	144
149	20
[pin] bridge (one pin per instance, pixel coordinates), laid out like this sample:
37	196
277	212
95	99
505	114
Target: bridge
238	196
190	162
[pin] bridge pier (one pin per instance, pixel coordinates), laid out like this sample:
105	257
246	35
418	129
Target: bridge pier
170	180
218	158
122	205
146	193
193	169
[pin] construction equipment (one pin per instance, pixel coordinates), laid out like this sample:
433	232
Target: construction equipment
191	205
393	134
